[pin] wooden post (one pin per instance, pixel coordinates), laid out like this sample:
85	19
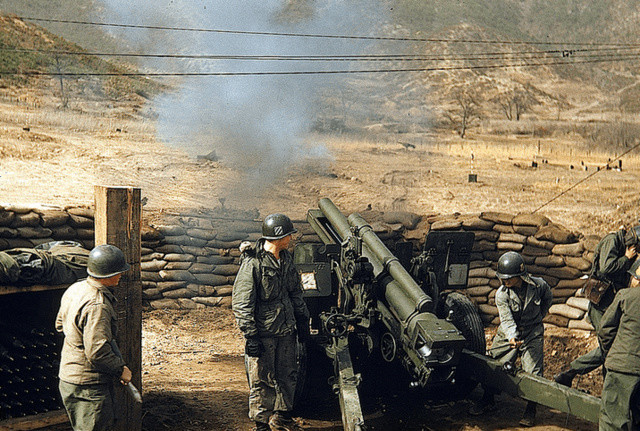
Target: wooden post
117	222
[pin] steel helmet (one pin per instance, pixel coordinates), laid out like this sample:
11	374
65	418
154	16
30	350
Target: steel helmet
106	261
276	226
511	265
632	236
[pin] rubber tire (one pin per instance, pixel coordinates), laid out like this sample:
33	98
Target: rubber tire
466	318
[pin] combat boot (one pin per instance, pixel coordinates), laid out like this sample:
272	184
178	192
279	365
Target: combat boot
262	426
529	416
565	378
282	421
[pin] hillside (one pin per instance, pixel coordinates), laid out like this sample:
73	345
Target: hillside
29	48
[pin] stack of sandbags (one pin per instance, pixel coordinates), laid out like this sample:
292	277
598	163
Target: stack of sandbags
191	260
27	227
549	250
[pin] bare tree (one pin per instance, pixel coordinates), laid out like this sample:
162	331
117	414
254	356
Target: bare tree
64	98
466	111
516	102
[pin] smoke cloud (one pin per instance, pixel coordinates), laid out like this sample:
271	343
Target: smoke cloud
257	124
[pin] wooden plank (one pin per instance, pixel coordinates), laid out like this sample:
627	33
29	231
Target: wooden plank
117	222
35	422
7	290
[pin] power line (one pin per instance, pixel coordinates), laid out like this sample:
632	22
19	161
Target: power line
326	36
322	72
585	178
591	52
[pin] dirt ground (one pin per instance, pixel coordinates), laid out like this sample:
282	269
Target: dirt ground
193	379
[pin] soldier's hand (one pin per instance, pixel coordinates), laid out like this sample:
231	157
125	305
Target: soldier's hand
631	252
253	347
126	376
514	343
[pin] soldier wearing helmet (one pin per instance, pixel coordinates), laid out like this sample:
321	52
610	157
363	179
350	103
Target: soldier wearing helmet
522	302
618	336
269	309
613	257
89	365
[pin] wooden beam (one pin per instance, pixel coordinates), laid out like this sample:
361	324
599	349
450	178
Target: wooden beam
6	290
117	222
35	422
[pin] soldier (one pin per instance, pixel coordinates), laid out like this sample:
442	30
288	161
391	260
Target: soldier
522	303
89	365
619	336
269	309
612	259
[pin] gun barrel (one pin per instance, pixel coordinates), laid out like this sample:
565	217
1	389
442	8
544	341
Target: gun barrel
402	293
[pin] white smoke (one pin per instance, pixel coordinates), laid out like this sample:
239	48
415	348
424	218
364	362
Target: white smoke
258	124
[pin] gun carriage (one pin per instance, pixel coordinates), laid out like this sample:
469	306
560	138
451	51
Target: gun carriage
405	310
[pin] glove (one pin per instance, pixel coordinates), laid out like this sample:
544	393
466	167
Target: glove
304	331
253	347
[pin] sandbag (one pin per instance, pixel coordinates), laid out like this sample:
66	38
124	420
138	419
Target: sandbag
166	303
574	249
171	230
52	218
179	293
525	230
176	275
496	217
566	311
201	268
530	220
446	225
512	237
483	246
556	320
205	234
476	223
407	219
487	235
478	290
533	241
6	217
581	324
28	219
564	272
488	309
172	266
535	251
509	246
179	257
503	228
578	263
485	272
580	303
555	233
550	261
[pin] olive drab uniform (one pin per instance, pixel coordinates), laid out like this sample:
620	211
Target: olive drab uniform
521	318
88	365
619	336
267	300
609	262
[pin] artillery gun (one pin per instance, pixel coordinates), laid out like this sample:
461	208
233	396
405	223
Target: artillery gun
362	298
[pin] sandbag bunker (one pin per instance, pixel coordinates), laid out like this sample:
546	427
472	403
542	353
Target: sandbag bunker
190	260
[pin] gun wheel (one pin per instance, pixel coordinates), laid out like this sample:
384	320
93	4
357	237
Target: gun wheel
388	347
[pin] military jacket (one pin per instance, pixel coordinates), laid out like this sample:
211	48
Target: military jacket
267	295
518	318
609	262
619	334
89	323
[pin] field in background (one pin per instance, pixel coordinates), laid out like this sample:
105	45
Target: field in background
54	156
